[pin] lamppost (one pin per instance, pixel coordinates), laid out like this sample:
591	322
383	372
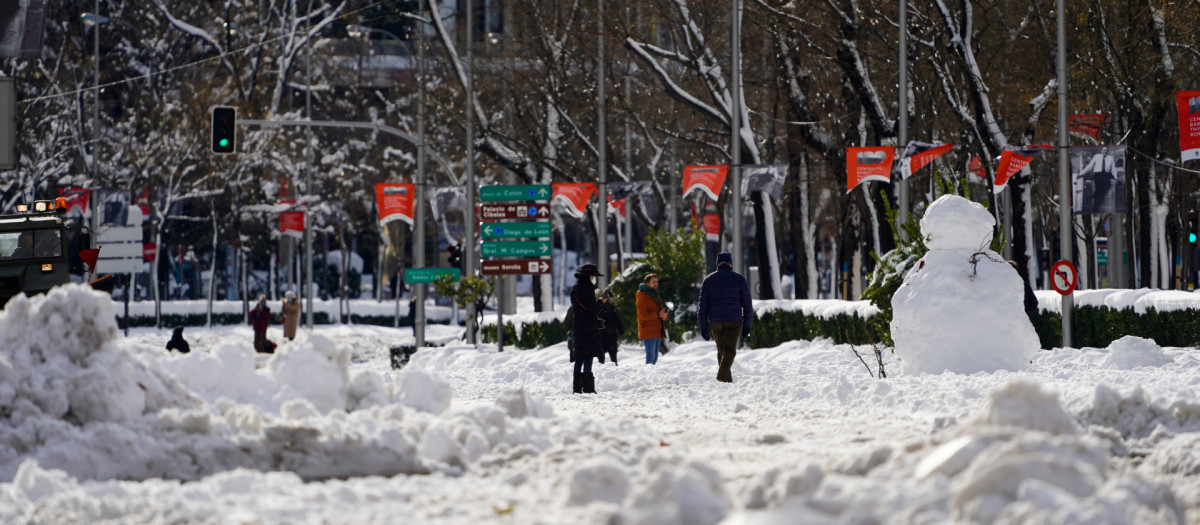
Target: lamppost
356	31
94	21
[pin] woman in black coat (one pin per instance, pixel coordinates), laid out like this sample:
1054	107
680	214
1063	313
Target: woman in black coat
585	327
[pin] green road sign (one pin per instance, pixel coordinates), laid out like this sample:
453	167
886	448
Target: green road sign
516	249
428	275
528	192
502	230
1102	257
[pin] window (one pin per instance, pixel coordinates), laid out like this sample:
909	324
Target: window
30	244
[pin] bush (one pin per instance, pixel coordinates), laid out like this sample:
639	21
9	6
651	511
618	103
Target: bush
776	327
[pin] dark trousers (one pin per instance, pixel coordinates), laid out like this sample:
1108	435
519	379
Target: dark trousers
726	335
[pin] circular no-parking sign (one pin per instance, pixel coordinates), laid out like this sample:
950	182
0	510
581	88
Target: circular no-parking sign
1063	277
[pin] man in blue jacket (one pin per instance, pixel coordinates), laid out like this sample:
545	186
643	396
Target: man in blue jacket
725	312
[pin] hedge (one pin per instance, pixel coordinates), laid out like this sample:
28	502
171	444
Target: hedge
219	319
1098	326
1093	327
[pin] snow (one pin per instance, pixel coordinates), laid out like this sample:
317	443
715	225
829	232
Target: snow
961	308
105	428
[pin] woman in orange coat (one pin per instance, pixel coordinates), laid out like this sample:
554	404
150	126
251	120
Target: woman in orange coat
651	317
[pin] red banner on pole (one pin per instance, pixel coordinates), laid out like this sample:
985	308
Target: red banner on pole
574	196
707	179
617	206
395	202
1090	124
712	222
1189	124
868	164
917	155
291	222
1012	160
975	169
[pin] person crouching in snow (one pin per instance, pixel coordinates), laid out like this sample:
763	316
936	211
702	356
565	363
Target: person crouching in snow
586	326
260	319
177	342
725	312
611	335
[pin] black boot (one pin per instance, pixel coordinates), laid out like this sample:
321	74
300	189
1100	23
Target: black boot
577	383
589	383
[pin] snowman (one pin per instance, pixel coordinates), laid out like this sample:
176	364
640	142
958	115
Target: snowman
960	307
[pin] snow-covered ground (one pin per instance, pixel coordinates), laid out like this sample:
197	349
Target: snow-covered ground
104	428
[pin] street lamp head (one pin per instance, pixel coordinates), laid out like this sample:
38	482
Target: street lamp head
356	31
92	19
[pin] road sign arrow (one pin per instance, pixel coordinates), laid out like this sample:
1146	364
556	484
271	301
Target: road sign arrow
545	266
488	230
544	212
545	248
542	192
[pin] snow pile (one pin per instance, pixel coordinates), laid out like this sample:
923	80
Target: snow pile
961	308
61	359
1023	460
77	398
1130	352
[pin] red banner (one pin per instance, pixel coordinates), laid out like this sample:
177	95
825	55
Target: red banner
395	202
917	155
76	198
1090	124
291	222
712	222
867	164
143	201
574	196
708	179
975	169
1189	124
1012	160
617	206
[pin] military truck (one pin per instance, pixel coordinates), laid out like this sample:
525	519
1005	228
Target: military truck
34	253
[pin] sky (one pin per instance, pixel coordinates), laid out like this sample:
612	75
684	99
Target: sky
107	428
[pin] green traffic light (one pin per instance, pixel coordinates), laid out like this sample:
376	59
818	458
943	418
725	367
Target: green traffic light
1192	238
224	143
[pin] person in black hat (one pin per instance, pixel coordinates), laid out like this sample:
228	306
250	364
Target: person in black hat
725	312
586	326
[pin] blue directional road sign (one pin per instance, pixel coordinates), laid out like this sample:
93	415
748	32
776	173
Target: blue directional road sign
516	249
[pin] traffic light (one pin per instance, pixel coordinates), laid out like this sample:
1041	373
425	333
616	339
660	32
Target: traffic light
1191	235
224	132
455	256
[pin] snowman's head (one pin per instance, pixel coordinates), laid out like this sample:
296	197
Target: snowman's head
954	223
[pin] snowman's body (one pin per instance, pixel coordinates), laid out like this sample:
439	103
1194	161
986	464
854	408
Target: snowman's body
950	314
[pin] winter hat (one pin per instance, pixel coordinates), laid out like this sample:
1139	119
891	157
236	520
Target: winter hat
724	258
588	270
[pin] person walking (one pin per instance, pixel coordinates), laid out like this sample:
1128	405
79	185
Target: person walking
177	342
291	315
260	319
613	329
586	326
651	317
725	312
